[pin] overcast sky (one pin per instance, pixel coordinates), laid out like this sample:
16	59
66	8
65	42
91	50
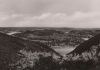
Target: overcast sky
50	13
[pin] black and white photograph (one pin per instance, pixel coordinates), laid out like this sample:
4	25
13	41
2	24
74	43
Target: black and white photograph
49	34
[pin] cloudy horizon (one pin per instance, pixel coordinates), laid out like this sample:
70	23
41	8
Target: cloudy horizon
50	13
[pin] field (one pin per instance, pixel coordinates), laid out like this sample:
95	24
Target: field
63	51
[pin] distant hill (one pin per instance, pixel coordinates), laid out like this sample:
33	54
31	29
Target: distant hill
47	36
10	47
40	32
53	36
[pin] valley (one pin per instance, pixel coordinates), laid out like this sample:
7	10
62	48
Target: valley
49	48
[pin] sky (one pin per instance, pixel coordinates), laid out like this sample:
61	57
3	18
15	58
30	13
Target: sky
50	13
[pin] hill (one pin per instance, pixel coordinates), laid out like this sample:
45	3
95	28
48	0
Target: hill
40	32
87	50
11	47
46	36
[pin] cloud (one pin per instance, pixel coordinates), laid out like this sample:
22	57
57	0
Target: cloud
78	19
37	7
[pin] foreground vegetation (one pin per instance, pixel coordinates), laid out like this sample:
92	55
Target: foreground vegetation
48	63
